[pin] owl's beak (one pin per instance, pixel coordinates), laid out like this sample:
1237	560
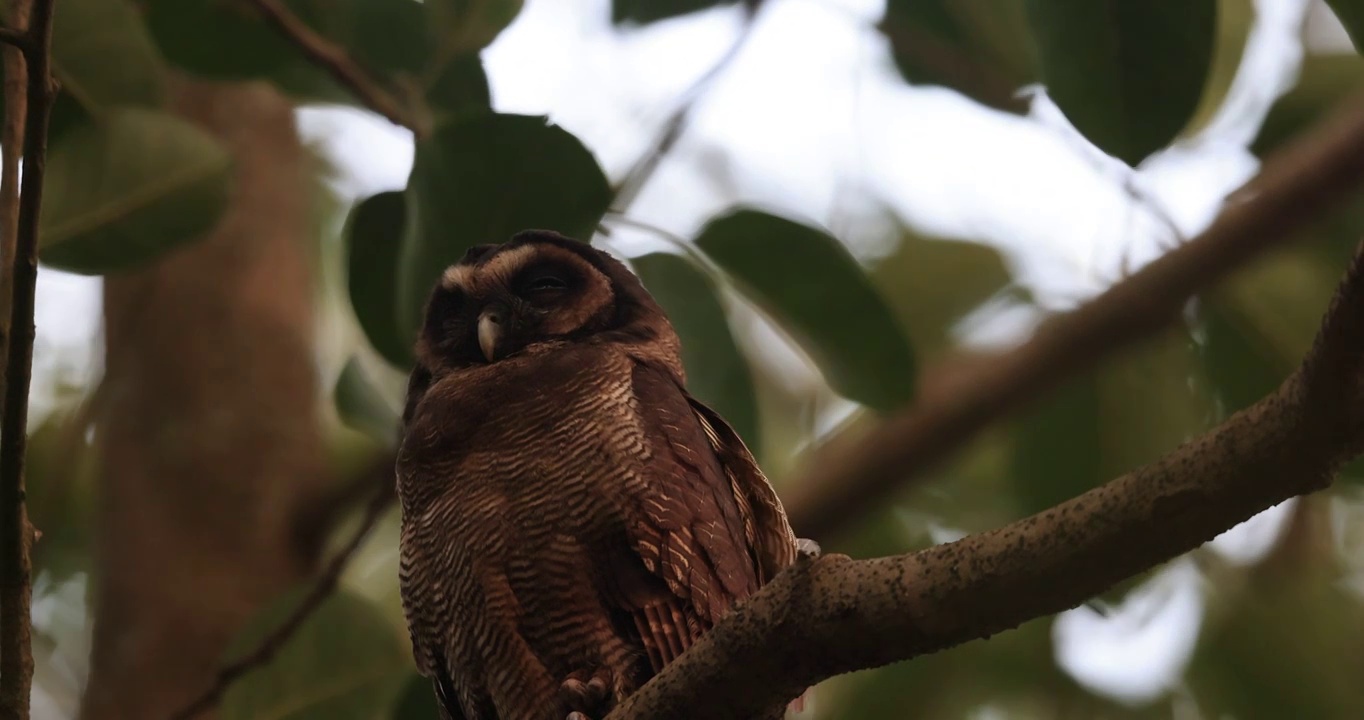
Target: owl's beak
490	330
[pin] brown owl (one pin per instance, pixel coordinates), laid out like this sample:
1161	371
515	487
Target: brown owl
572	519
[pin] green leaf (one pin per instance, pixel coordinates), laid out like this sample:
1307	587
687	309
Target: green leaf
459	86
1106	423
647	11
122	191
933	283
85	34
344	661
418	700
1322	81
467	26
717	372
1285	646
361	406
374	232
483	178
977	47
813	287
219	39
1351	15
104	56
1128	75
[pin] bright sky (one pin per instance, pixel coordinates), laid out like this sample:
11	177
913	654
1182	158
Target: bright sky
811	118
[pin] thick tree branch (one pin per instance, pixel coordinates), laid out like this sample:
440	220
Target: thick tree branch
836	615
1294	187
16	657
338	63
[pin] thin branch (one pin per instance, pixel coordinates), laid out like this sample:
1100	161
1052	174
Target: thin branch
322	589
1294	187
16	38
16	588
638	175
835	615
338	63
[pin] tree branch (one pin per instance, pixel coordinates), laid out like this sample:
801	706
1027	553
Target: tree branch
338	63
16	656
321	590
16	38
1295	185
835	615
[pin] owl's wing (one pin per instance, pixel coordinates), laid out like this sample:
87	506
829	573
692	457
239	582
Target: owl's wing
765	525
694	522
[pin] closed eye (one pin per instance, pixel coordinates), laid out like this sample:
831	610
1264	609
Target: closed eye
546	282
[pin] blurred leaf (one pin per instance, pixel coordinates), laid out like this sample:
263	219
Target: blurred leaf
717	372
1322	81
1287	648
977	47
1235	19
1103	424
128	188
467	26
1128	75
345	661
647	11
949	685
374	233
418	701
395	42
61	474
1351	15
458	87
362	407
1261	322
813	287
934	283
483	178
87	35
219	39
1059	446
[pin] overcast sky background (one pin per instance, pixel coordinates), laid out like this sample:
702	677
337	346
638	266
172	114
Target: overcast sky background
811	118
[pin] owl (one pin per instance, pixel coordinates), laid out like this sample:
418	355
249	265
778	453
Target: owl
572	519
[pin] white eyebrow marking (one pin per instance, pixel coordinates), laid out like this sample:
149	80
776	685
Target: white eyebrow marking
504	264
458	277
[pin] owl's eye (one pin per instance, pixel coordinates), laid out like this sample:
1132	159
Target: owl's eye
544	282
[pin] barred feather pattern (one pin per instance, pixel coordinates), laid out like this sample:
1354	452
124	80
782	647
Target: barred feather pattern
572	510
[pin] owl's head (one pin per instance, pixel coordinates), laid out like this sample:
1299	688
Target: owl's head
537	289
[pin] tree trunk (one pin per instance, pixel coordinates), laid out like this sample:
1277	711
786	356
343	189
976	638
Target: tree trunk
208	426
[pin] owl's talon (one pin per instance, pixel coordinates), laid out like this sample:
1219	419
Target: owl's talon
588	696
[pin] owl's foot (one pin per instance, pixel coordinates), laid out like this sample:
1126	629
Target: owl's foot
586	695
807	549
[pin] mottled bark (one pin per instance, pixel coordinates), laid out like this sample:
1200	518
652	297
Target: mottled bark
208	432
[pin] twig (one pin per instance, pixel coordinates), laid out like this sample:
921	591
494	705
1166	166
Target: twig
16	588
835	615
16	38
277	639
638	175
338	63
1294	187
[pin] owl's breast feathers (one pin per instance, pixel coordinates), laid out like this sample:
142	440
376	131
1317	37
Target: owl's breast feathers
570	510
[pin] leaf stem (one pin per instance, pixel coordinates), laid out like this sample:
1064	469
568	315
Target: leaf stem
334	59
